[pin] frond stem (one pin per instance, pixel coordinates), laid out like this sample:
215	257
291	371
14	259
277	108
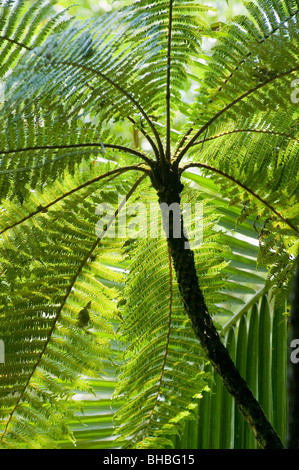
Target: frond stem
243	186
168	151
234	131
122	91
182	142
13	41
226	108
116	172
72	146
148	137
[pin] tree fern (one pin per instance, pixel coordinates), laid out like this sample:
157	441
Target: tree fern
67	85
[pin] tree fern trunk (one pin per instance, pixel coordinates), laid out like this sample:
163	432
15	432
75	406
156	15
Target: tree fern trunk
205	331
293	369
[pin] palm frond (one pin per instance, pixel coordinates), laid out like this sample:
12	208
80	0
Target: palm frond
263	360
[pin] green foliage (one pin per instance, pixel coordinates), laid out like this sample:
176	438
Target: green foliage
68	290
49	274
247	342
163	365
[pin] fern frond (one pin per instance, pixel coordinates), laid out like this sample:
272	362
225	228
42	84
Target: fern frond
103	69
77	65
66	86
245	74
22	29
36	149
162	373
244	156
169	36
61	266
276	240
